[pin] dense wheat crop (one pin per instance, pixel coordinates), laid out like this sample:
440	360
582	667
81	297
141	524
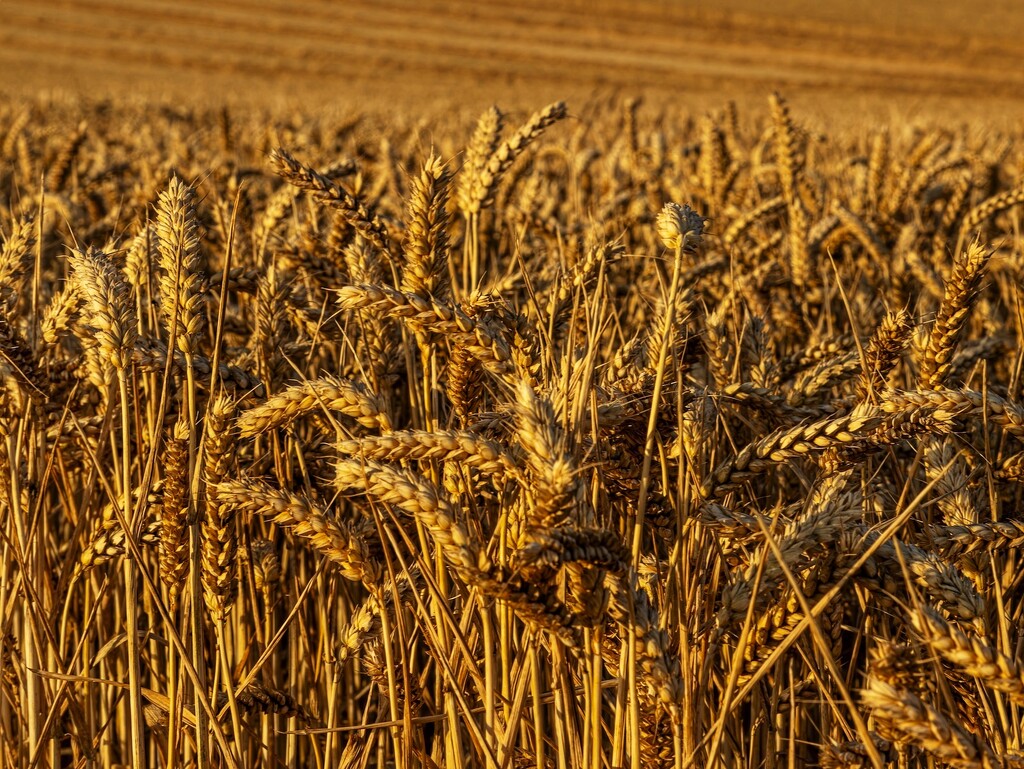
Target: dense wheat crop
600	437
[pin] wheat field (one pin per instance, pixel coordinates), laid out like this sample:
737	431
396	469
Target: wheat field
448	55
607	433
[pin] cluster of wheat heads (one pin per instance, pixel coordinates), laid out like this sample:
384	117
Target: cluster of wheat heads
612	439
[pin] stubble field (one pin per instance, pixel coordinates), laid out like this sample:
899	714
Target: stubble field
466	54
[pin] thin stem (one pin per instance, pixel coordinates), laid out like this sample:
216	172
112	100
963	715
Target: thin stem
131	587
229	685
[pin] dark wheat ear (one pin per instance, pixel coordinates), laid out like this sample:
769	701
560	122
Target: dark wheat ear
174	534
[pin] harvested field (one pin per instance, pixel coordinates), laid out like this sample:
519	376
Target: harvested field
469	54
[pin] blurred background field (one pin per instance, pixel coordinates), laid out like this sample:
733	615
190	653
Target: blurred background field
833	59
